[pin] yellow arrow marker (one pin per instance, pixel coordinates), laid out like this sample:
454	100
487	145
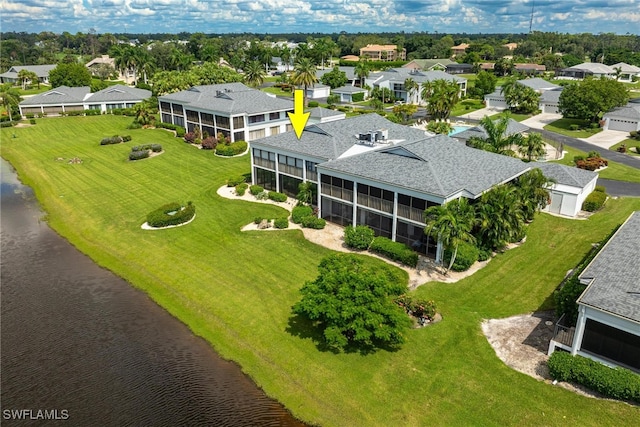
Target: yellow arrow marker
298	117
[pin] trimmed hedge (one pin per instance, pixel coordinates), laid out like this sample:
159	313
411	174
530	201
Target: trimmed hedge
617	383
180	131
395	251
594	201
138	154
241	188
233	181
281	223
277	197
358	237
466	256
313	222
7	124
299	212
233	149
357	97
171	214
256	189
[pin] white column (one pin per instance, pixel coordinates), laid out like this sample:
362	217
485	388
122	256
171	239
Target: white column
355	204
579	333
394	223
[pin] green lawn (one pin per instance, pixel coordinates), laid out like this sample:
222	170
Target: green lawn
277	91
236	289
514	116
562	126
34	90
630	143
466	106
616	171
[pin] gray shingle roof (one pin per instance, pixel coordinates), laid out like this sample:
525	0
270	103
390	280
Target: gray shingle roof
615	273
566	175
629	111
40	70
513	127
119	93
58	96
592	67
440	166
349	89
230	98
331	140
321	112
538	84
401	74
425	64
626	68
551	96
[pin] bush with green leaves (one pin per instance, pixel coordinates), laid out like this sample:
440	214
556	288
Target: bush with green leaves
32	121
600	188
351	303
156	148
262	196
358	237
233	149
241	188
395	251
417	307
281	223
314	222
171	214
617	383
92	112
299	212
357	97
116	139
466	256
256	189
134	125
312	104
235	180
594	201
277	197
138	155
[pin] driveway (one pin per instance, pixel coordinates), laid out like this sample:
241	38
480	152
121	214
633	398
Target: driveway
606	138
479	114
541	120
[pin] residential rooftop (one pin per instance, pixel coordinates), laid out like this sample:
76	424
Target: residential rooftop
513	127
566	175
61	94
613	276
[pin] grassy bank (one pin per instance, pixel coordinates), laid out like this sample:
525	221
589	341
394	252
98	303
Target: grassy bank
236	289
615	171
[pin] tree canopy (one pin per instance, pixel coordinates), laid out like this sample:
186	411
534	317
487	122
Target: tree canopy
591	98
351	301
72	75
334	78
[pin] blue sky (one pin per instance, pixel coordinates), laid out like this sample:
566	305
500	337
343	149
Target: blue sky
304	16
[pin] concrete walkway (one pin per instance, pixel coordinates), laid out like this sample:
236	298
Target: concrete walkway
479	114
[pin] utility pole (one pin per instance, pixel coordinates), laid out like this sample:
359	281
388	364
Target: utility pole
533	4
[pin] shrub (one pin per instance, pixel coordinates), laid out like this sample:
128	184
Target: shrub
171	214
138	155
257	220
29	116
574	127
277	197
592	163
357	97
241	188
593	154
111	140
92	112
465	257
32	121
484	254
617	383
233	181
180	131
156	148
395	251
190	137
312	104
126	138
299	212
256	189
594	201
233	149
634	134
417	307
134	125
594	125
209	143
262	196
313	222
281	223
600	188
577	158
358	237
6	124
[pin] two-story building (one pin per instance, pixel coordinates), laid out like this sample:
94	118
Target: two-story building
383	52
394	79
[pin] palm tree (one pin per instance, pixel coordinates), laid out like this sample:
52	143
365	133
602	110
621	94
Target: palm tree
441	95
254	74
533	189
25	75
452	223
285	55
411	86
307	192
500	218
10	98
497	140
532	146
304	74
362	70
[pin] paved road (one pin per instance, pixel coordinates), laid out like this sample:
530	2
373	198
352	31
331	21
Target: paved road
620	188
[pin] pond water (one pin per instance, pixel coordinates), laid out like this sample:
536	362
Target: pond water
85	346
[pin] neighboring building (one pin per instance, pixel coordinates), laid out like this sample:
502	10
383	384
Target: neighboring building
550	101
608	326
325	115
127	77
529	69
570	189
383	52
513	128
587	69
393	79
460	49
456	68
373	172
627	72
64	99
349	72
42	71
351	58
626	118
346	92
233	109
496	99
511	46
318	91
429	64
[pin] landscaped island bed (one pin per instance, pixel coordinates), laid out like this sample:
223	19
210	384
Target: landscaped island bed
236	289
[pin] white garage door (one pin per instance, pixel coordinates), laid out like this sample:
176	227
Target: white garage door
550	109
496	103
623	125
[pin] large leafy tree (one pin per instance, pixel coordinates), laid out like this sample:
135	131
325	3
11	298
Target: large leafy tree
521	98
451	224
334	78
591	98
72	75
497	140
206	74
10	99
304	74
485	83
441	95
254	74
351	301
